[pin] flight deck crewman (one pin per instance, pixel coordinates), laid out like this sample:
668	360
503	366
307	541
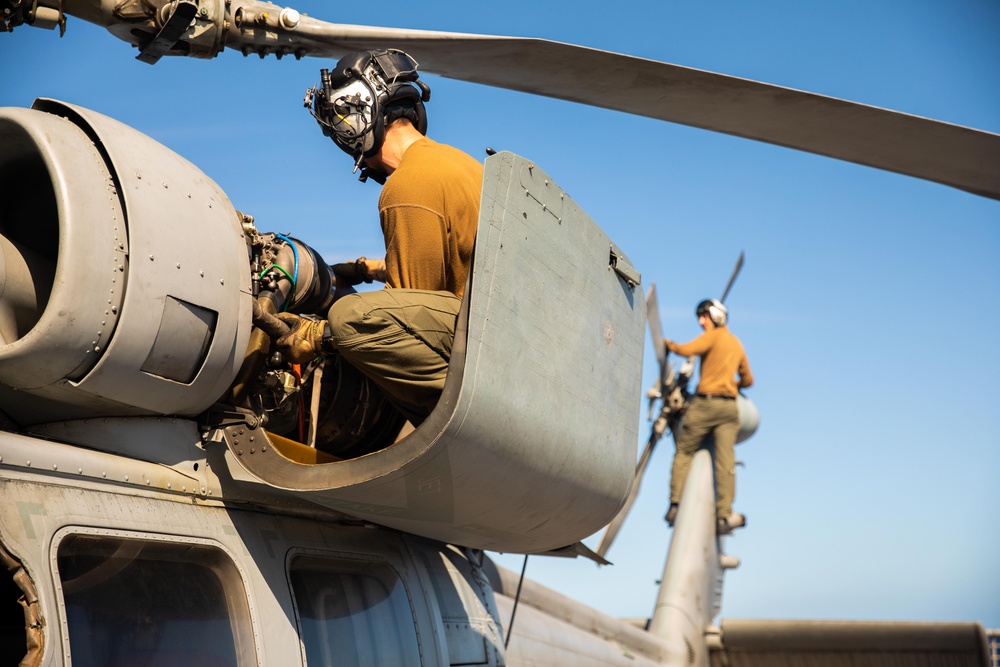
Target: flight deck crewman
712	411
371	105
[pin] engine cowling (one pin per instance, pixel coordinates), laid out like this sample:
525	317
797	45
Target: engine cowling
124	287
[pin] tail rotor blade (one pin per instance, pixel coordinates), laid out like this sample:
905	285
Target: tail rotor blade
611	532
732	278
655	330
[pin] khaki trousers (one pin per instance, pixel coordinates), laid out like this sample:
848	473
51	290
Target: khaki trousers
401	339
708	419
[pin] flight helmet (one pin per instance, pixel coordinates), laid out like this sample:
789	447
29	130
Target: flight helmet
362	95
714	309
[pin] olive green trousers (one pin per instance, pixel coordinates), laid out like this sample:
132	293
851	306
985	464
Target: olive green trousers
401	339
712	422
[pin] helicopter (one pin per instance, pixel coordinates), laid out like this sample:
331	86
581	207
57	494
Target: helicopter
250	137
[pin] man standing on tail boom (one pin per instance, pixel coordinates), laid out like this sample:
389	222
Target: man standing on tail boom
712	412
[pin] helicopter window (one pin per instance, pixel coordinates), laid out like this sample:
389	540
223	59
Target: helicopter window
21	630
153	603
11	620
353	613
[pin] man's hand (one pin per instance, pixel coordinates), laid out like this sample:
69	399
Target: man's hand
305	340
375	268
361	270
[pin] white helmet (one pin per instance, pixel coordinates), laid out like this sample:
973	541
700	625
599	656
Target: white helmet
715	311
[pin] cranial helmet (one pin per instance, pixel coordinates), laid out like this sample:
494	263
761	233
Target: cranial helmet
714	309
365	92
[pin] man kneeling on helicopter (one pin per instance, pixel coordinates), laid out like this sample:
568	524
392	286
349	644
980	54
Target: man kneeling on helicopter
372	106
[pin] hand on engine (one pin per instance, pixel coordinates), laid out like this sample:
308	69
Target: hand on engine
375	268
304	341
361	270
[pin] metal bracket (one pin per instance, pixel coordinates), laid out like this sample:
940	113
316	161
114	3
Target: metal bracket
45	14
622	267
224	416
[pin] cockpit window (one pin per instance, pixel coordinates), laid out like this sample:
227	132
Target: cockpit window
353	613
138	602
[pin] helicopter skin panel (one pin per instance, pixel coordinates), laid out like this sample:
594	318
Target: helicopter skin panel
628	641
253	554
532	444
178	286
541	639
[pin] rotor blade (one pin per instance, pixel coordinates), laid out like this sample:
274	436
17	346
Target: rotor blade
732	278
616	524
655	330
961	157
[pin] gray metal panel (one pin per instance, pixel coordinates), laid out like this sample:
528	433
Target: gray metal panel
41	504
466	606
632	640
106	343
749	418
182	340
538	638
533	443
160	188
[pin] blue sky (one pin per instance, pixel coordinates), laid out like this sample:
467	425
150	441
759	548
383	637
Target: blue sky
868	303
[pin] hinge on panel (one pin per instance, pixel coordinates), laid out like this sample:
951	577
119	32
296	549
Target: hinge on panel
619	262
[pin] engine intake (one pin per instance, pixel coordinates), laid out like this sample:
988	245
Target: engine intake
107	308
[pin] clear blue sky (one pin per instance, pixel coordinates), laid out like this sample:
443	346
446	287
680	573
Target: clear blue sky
868	304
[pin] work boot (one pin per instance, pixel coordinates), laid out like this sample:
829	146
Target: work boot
671	515
726	525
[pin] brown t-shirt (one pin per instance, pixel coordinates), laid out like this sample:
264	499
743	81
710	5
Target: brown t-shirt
722	357
429	209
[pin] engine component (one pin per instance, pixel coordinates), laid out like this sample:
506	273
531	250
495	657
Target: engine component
355	418
293	277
